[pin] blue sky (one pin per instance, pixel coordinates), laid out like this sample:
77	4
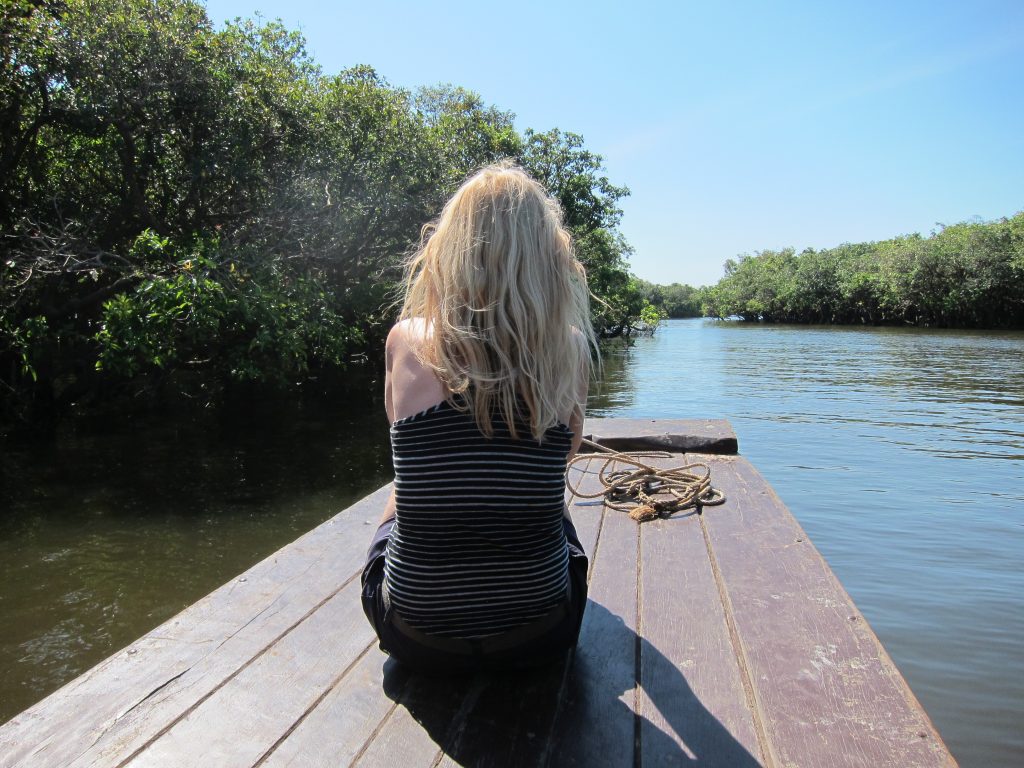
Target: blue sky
737	126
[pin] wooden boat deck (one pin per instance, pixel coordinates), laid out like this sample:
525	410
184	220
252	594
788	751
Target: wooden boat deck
720	639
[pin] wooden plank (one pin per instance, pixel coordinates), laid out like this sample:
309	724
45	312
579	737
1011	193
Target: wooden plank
133	695
334	731
825	690
245	718
508	722
596	722
693	705
675	435
428	717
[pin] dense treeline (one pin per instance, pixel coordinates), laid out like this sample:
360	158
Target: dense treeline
176	198
967	275
675	300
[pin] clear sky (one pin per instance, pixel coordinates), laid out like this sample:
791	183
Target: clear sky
737	126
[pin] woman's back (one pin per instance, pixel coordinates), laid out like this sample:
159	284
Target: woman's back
478	546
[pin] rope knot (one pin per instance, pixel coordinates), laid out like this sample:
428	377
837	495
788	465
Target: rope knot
646	492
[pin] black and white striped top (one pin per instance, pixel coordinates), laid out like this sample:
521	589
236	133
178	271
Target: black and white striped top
478	545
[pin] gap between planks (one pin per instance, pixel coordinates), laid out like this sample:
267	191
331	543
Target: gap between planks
637	645
767	755
252	659
316	703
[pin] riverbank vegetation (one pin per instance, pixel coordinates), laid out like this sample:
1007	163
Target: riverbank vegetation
675	300
968	275
184	203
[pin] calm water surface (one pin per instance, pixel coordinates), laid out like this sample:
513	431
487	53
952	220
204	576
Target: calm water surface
107	530
901	452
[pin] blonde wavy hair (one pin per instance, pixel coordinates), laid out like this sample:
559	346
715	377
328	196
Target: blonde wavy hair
505	302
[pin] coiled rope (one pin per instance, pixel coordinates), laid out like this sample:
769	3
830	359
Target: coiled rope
647	492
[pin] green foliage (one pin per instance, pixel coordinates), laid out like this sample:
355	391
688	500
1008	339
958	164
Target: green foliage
175	197
25	339
465	131
158	323
618	298
249	325
675	300
965	275
575	177
651	316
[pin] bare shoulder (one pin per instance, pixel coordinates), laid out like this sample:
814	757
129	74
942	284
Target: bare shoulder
412	386
408	334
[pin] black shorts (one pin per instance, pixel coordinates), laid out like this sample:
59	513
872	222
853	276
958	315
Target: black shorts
558	632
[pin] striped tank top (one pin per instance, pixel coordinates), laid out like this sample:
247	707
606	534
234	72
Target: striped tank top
478	546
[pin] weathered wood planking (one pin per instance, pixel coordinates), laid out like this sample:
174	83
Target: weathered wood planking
693	700
237	725
426	718
335	730
596	720
823	686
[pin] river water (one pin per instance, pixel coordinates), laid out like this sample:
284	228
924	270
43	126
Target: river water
900	451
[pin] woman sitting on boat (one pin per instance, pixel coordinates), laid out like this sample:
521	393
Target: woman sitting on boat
476	563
